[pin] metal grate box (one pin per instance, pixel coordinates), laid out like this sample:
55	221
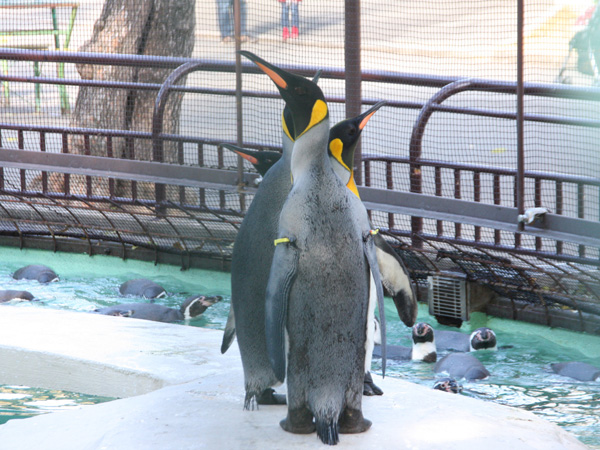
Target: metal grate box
447	296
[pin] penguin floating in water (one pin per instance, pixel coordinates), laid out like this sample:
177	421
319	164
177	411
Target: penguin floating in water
39	272
322	280
19	296
141	287
423	346
191	307
253	253
461	365
481	339
578	370
448	384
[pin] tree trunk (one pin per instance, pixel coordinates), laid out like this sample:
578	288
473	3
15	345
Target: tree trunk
142	27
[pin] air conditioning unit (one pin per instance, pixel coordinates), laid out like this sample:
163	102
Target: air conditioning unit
448	296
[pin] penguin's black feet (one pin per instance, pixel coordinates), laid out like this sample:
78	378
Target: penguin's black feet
269	397
299	421
352	421
369	387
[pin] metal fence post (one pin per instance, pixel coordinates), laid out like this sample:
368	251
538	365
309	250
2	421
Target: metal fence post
237	22
353	73
520	182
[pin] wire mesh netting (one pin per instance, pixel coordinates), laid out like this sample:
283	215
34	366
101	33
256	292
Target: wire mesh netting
407	52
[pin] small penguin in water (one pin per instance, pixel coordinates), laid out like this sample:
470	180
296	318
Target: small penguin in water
8	295
39	272
192	306
448	384
578	370
481	339
142	287
423	346
461	365
323	276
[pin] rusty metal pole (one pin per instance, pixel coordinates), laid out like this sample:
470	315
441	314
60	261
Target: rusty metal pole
520	185
237	22
353	73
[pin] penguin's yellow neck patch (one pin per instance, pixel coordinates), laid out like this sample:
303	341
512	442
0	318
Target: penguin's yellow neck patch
273	75
336	147
285	127
319	112
352	185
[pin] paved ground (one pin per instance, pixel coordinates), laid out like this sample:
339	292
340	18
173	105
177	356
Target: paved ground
183	394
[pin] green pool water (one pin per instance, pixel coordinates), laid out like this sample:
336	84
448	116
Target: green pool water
520	372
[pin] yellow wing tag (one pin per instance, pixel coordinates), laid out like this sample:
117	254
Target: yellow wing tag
276	242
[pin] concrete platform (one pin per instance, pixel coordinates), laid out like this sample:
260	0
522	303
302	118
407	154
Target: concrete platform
183	394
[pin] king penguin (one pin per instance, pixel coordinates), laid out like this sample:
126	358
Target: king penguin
394	274
323	281
343	138
250	264
255	268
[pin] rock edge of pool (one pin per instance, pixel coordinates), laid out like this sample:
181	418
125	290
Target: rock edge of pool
177	391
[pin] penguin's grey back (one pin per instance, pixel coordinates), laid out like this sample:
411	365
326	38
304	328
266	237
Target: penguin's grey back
250	265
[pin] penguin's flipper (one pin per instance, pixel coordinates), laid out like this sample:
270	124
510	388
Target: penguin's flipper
396	280
229	333
281	279
371	255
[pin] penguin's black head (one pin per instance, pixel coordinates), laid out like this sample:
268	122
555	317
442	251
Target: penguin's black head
483	338
448	384
303	97
422	332
261	160
196	304
343	138
344	135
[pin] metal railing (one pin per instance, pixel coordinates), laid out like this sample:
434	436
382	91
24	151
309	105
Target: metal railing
501	215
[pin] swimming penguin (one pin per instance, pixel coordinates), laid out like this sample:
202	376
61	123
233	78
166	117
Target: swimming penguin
192	307
448	384
38	272
461	365
423	346
323	273
480	339
142	287
8	295
252	258
577	370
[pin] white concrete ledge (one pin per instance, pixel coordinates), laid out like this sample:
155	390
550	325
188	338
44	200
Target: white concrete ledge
183	394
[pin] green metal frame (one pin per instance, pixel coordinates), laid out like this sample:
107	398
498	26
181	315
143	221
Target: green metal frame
65	106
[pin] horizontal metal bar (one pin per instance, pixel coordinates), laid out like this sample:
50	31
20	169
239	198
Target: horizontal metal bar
484	169
553	226
561	228
154	172
534	89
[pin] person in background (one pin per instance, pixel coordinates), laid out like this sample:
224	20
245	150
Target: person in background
287	7
226	21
